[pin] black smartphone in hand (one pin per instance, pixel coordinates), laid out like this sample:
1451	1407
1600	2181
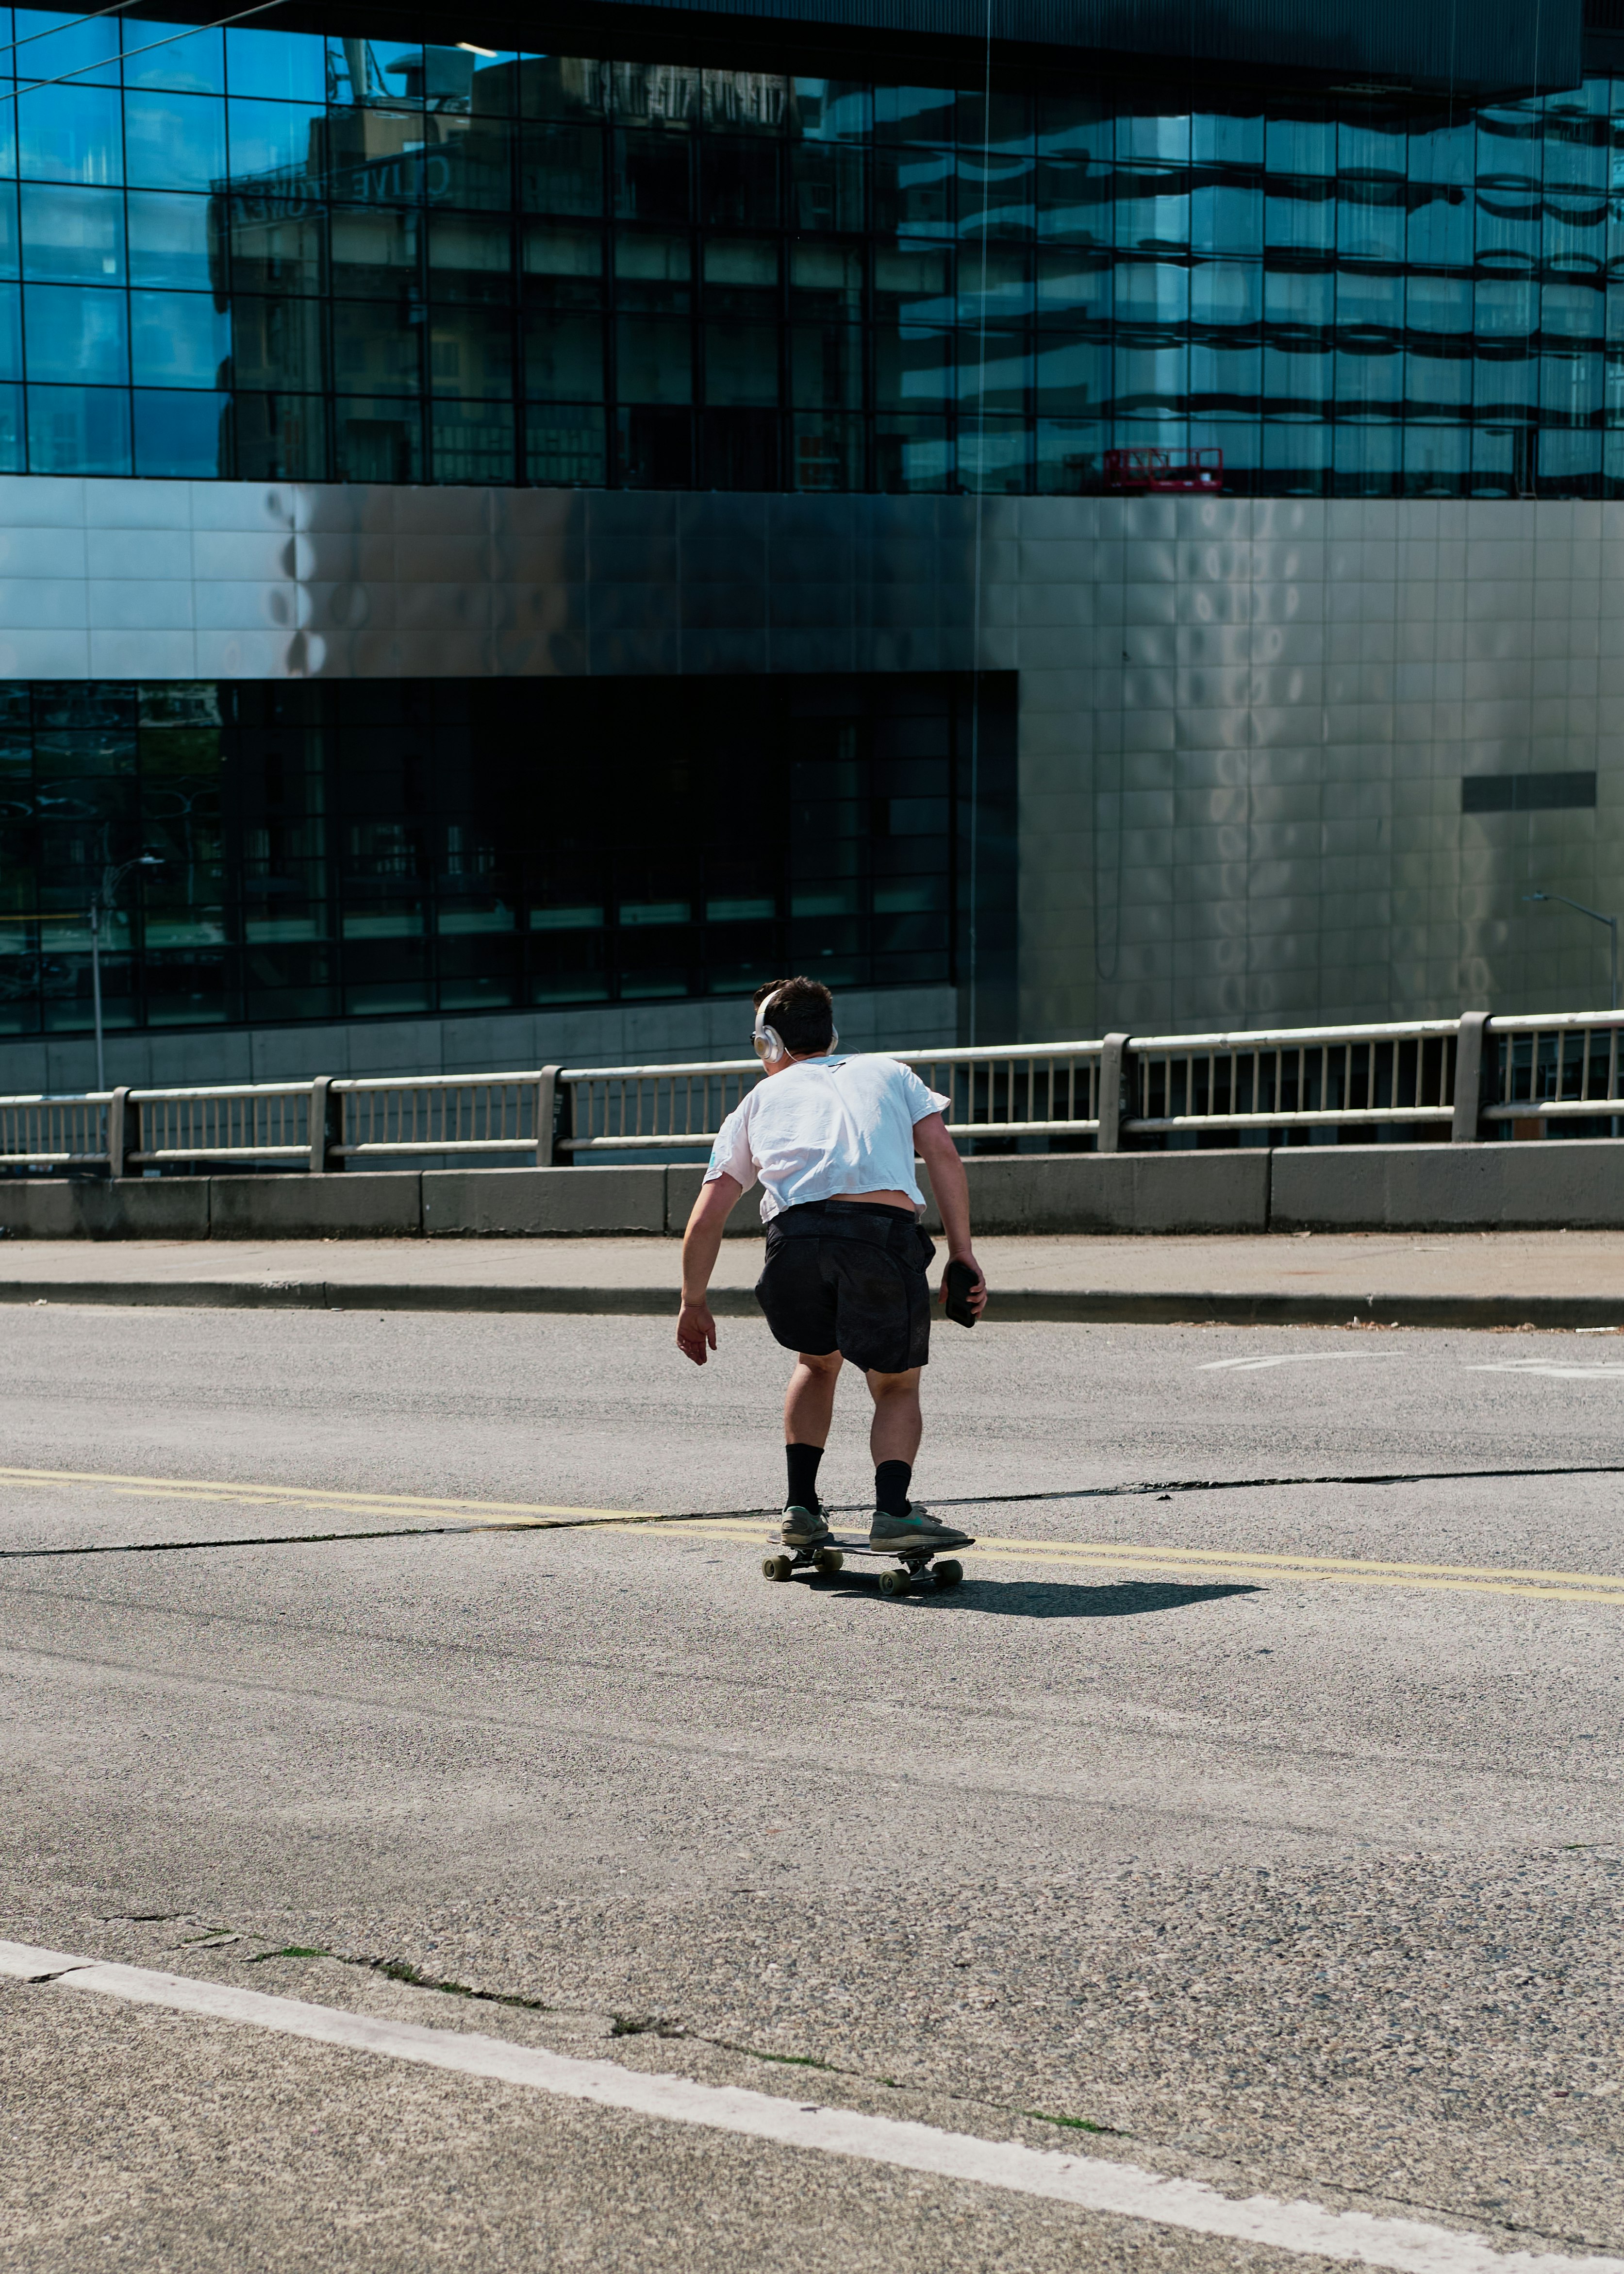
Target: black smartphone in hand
960	1285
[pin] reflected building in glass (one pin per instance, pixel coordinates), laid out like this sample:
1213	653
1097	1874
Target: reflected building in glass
1051	534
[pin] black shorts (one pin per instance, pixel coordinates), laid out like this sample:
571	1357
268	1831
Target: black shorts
845	1275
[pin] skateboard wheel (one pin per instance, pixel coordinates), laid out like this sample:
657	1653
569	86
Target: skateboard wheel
777	1567
829	1560
948	1574
894	1583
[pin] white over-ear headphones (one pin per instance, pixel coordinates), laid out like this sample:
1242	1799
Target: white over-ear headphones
770	1047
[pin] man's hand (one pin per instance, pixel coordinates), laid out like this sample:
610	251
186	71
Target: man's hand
696	1331
695	1327
977	1296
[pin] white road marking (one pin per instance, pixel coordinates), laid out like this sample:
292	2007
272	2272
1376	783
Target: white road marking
1546	1366
1288	1358
1090	2182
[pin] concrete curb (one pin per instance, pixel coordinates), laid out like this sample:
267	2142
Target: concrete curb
1020	1306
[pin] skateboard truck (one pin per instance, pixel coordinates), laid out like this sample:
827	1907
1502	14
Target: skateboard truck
829	1557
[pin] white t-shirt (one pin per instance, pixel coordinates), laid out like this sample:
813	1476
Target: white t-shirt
826	1127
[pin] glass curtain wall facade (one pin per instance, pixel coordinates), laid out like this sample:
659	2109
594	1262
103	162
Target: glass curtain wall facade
377	847
259	255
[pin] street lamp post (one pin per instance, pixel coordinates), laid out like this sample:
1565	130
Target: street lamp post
102	899
1596	916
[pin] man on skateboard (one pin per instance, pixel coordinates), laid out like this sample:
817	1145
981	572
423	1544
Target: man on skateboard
832	1141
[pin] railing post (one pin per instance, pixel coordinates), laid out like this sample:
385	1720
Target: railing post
547	1113
322	1135
122	1119
1112	1069
1468	1077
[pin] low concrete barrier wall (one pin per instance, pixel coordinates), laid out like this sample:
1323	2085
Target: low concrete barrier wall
105	1208
384	1204
1301	1187
1116	1192
541	1203
1578	1182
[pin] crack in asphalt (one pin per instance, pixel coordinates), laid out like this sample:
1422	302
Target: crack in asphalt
670	2027
1158	1488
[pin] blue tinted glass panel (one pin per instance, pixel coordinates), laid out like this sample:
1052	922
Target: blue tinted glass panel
51	42
271	138
180	435
473	442
79	430
174	141
13	453
1227	137
168	240
70	134
10	333
379	440
192	63
72	235
288	66
626	242
74	334
177	339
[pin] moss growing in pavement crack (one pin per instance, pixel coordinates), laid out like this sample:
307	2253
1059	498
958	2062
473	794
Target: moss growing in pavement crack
396	1969
657	2025
791	2060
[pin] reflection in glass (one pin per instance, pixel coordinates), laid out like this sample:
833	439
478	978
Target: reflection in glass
72	235
1234	270
377	441
79	430
75	334
174	141
179	435
177	339
168	240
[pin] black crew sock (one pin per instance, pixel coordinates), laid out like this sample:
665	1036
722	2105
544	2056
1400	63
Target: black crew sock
891	1487
802	1462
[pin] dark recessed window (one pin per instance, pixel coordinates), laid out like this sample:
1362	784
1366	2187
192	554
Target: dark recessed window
1525	793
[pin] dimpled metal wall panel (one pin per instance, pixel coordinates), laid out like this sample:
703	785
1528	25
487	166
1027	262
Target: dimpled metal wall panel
1243	724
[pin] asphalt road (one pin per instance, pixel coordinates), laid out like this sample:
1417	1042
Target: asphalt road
1272	1828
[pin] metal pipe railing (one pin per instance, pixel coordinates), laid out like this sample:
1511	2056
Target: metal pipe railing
1535	1068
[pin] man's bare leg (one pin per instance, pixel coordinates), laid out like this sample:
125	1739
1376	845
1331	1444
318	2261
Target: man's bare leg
809	1401
808	1410
898	1424
900	1524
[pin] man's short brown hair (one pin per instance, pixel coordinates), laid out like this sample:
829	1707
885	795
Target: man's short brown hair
803	1014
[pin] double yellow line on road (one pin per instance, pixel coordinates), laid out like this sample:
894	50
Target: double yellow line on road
1098	1559
495	1515
1206	1565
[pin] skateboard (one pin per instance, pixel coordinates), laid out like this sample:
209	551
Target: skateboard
916	1570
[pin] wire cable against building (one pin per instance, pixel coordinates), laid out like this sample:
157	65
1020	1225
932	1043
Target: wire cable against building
102	63
54	31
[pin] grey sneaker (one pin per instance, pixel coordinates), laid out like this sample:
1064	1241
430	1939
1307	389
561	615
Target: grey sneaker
916	1534
804	1527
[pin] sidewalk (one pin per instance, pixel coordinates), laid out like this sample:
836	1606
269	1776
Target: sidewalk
1546	1278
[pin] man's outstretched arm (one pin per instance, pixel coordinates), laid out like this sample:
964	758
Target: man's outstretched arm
951	1189
701	1244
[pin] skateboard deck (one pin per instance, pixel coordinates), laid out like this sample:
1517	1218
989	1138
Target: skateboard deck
918	1567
